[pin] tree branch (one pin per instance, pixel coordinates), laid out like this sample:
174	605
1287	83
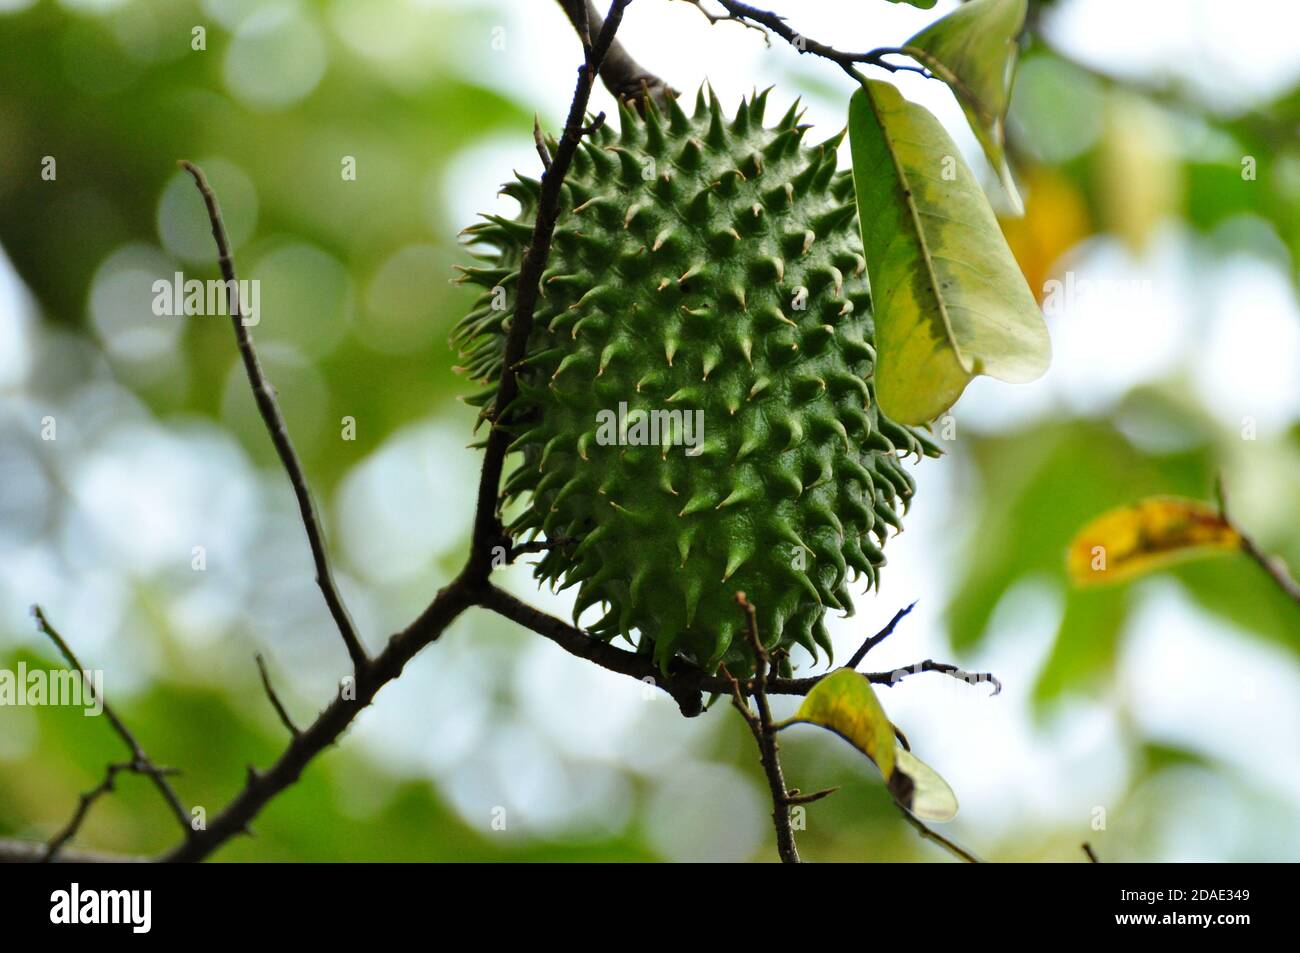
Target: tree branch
488	533
745	14
716	18
1273	565
17	851
264	395
537	546
685	682
324	732
625	78
84	804
856	658
539	142
275	699
930	665
140	762
930	834
761	726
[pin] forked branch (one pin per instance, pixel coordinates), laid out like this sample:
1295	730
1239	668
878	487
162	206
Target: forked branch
140	762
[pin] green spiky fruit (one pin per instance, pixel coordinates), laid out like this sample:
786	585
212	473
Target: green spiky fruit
699	265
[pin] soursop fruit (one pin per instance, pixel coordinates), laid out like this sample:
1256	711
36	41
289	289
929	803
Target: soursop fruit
712	268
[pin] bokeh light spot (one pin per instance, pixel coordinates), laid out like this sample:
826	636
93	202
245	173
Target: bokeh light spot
276	58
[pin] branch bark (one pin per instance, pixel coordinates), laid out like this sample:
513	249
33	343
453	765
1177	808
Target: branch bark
1272	565
625	78
931	834
686	682
488	534
280	711
14	850
856	658
324	732
765	19
84	804
140	762
764	732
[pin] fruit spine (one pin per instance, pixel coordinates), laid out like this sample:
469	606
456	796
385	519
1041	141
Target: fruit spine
713	268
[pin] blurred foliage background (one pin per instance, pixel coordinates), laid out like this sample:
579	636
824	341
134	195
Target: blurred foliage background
1158	154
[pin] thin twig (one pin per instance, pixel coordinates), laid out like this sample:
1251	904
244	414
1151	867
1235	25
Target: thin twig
794	797
140	761
275	699
1092	854
856	658
716	18
805	44
84	804
943	668
537	546
764	732
539	140
264	395
931	834
1273	565
17	851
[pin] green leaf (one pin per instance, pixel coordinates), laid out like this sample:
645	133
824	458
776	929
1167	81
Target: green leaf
1086	648
973	50
918	787
845	703
950	301
923	4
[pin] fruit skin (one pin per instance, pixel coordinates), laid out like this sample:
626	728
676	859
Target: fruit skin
697	264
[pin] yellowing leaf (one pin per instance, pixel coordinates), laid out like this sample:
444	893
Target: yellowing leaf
919	788
845	703
949	299
1150	534
973	50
